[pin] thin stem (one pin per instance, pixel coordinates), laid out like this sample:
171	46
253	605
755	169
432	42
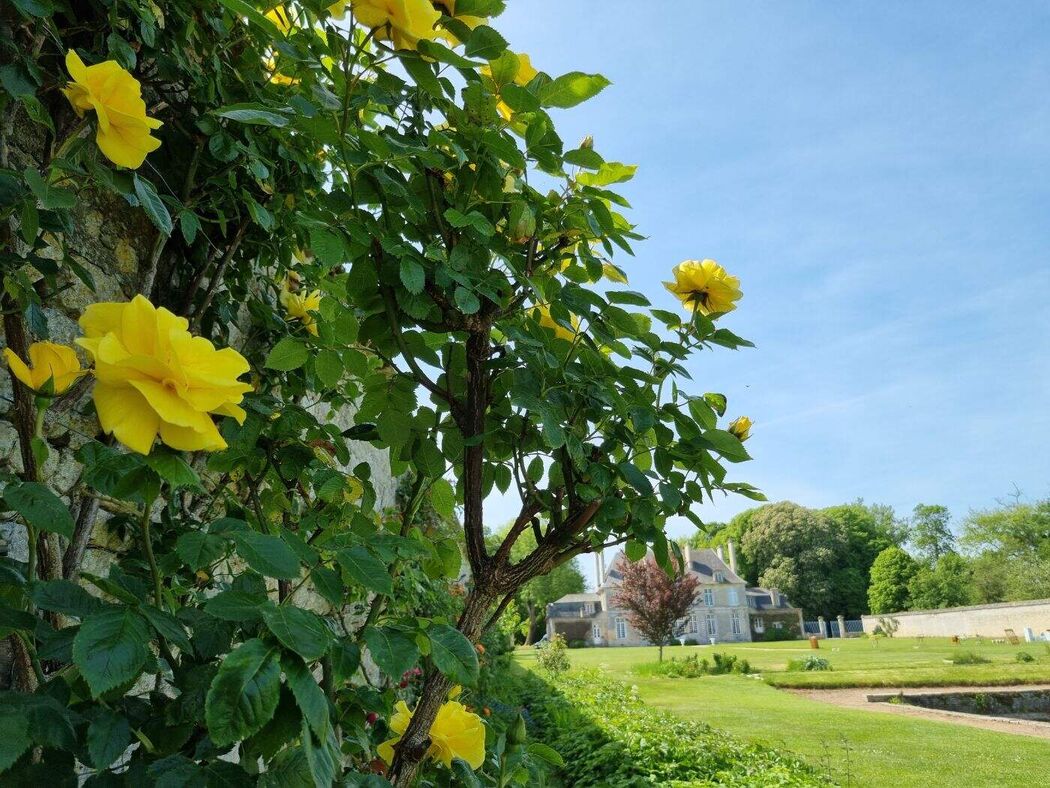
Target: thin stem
147	545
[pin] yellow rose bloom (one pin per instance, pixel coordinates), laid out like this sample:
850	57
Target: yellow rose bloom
741	428
154	377
47	362
542	314
300	305
456	733
404	22
123	133
704	285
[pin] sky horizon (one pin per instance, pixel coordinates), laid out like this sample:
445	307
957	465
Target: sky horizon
877	178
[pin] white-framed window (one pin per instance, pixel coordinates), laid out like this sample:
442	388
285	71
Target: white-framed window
720	577
734	621
691	627
709	597
734	597
760	624
621	629
596	632
588	608
778	625
712	625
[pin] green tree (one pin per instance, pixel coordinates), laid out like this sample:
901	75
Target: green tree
720	534
1015	529
891	572
930	531
947	583
798	551
870	530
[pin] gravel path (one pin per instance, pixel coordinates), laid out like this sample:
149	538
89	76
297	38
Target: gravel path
857	698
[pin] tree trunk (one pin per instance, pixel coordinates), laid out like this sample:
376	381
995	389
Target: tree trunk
661	651
531	634
410	751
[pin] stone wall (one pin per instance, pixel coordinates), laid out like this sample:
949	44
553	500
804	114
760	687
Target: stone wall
988	621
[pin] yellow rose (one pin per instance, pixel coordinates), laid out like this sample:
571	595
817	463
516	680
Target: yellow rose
153	376
542	314
300	305
47	362
741	428
404	22
704	285
456	733
123	133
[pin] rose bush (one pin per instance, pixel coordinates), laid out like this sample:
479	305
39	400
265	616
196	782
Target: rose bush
342	220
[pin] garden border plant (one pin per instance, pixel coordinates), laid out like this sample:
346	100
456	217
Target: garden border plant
347	215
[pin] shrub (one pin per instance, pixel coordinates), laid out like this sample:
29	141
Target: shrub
1024	656
608	737
576	643
552	657
690	642
808	663
969	658
692	666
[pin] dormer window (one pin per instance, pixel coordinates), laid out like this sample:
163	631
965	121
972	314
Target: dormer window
588	608
720	577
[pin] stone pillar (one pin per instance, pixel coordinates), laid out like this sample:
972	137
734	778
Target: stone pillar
823	626
842	626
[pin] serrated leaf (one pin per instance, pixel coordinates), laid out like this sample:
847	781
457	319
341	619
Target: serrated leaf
252	114
111	648
40	507
634	477
288	354
153	205
412	276
329	367
174	470
571	89
299	630
545	753
366	569
168	626
66	597
393	651
14	735
107	737
244	693
236	605
267	555
484	42
308	695
443	497
453	654
635	550
198	549
467	302
726	444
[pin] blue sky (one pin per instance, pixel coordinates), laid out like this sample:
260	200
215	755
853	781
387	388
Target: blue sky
878	176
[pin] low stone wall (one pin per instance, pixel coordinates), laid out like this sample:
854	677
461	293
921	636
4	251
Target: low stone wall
978	620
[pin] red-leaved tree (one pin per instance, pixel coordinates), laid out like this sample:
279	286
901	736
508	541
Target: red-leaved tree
656	603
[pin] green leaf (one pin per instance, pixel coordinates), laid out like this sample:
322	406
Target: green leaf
174	470
51	197
308	695
443	497
608	173
168	626
366	569
199	549
571	89
151	203
111	648
412	276
252	114
329	367
322	755
326	246
40	507
236	605
244	693
246	10
484	42
288	354
727	444
466	301
108	736
189	225
393	651
12	620
453	654
267	555
442	54
14	735
64	596
545	753
395	428
718	402
299	630
635	550
635	478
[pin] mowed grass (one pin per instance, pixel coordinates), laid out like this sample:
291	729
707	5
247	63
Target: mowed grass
858	662
854	747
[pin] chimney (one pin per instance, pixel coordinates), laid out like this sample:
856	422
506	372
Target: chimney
732	556
687	557
601	567
774	597
719	553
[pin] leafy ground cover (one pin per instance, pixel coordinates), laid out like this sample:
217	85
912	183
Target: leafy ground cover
846	746
609	737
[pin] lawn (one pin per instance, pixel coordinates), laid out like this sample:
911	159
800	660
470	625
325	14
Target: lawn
853	747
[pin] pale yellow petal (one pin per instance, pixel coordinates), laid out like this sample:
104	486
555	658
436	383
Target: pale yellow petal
125	413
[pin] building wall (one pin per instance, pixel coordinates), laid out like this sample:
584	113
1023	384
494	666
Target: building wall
789	618
721	609
984	620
